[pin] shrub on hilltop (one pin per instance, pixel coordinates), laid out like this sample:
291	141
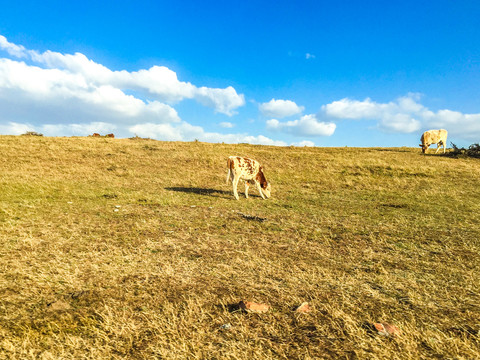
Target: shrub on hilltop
472	151
32	133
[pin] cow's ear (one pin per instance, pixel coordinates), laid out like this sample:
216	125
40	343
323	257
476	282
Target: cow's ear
420	145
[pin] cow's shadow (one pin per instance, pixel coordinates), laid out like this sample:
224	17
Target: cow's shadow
201	191
208	192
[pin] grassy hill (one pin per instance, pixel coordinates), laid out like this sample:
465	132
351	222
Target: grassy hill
132	248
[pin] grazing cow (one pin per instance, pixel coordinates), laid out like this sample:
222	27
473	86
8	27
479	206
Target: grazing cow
249	170
96	135
430	137
110	135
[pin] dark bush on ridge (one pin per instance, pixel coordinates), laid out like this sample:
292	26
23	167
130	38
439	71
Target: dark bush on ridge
472	151
32	133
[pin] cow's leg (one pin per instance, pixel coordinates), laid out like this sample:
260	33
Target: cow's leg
235	185
438	147
229	171
247	185
229	176
259	188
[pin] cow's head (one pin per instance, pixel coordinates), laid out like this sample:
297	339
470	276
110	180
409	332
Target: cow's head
264	184
267	189
424	147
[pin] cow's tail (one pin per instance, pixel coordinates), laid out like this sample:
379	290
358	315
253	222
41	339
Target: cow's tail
228	170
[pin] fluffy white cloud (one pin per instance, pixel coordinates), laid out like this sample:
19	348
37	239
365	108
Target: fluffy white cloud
222	100
351	109
53	95
158	81
466	126
280	108
304	143
307	125
187	132
405	115
14	50
68	94
68	74
13	128
76	129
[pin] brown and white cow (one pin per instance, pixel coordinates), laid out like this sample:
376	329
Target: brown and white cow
430	137
242	168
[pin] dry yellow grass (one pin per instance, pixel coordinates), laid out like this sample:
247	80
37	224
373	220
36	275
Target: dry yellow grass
120	248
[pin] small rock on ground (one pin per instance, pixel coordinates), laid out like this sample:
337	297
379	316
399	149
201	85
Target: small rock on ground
387	329
253	307
304	308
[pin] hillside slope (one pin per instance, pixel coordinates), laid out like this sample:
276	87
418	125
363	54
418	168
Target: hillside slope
114	248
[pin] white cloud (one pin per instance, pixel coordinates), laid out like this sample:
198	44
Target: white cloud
351	109
182	131
157	131
76	76
226	124
405	115
158	81
187	132
466	126
309	56
224	101
304	143
77	129
69	94
280	108
307	125
399	123
12	128
14	50
53	95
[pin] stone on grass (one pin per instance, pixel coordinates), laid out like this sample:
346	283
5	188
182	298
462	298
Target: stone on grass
303	308
253	307
387	329
227	326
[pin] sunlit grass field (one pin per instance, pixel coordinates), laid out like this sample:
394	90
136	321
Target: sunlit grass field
134	248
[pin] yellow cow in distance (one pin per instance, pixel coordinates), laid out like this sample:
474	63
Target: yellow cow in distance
430	137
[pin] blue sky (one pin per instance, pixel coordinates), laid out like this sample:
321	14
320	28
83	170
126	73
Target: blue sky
323	73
